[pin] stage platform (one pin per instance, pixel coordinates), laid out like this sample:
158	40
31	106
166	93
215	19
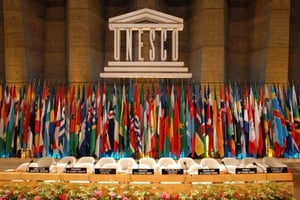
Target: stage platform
171	183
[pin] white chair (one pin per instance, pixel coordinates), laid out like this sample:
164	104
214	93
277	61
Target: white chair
86	162
111	166
167	163
212	163
126	164
45	162
247	161
103	161
163	162
67	161
149	162
86	159
254	163
193	169
186	162
231	164
24	167
272	162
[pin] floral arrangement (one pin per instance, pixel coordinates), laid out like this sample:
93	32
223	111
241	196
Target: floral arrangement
65	191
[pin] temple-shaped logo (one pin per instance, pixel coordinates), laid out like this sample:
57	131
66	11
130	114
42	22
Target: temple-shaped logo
157	27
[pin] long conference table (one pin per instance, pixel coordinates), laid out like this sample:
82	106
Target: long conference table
171	183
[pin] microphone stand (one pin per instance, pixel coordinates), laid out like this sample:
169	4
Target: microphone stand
68	163
27	167
255	164
231	175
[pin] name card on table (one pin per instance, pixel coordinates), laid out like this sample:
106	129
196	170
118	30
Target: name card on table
141	171
251	170
208	171
105	171
76	170
171	171
39	170
277	170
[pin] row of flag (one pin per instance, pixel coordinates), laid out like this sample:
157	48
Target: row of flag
155	120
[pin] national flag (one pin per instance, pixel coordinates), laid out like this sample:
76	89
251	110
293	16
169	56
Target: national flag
37	126
252	135
99	124
182	121
171	122
62	128
296	135
83	118
123	136
229	125
57	121
73	123
279	127
94	124
10	127
117	99
3	126
220	124
137	120
68	120
52	123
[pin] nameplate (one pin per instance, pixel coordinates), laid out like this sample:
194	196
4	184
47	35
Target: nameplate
76	170
251	170
105	171
39	170
214	171
141	171
171	171
277	170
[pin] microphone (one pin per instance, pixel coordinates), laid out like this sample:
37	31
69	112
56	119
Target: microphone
68	163
27	167
186	168
138	164
255	164
223	163
94	166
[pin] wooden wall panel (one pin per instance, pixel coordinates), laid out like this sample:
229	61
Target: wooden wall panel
14	44
55	44
237	57
2	70
294	41
206	27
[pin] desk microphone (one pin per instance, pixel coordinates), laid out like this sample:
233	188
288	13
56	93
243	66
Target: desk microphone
255	164
186	168
68	163
223	163
138	164
94	166
27	167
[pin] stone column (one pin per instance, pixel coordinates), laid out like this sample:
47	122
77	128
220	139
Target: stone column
269	40
2	70
206	29
85	40
14	44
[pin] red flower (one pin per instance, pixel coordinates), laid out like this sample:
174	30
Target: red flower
63	197
222	195
237	195
176	196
